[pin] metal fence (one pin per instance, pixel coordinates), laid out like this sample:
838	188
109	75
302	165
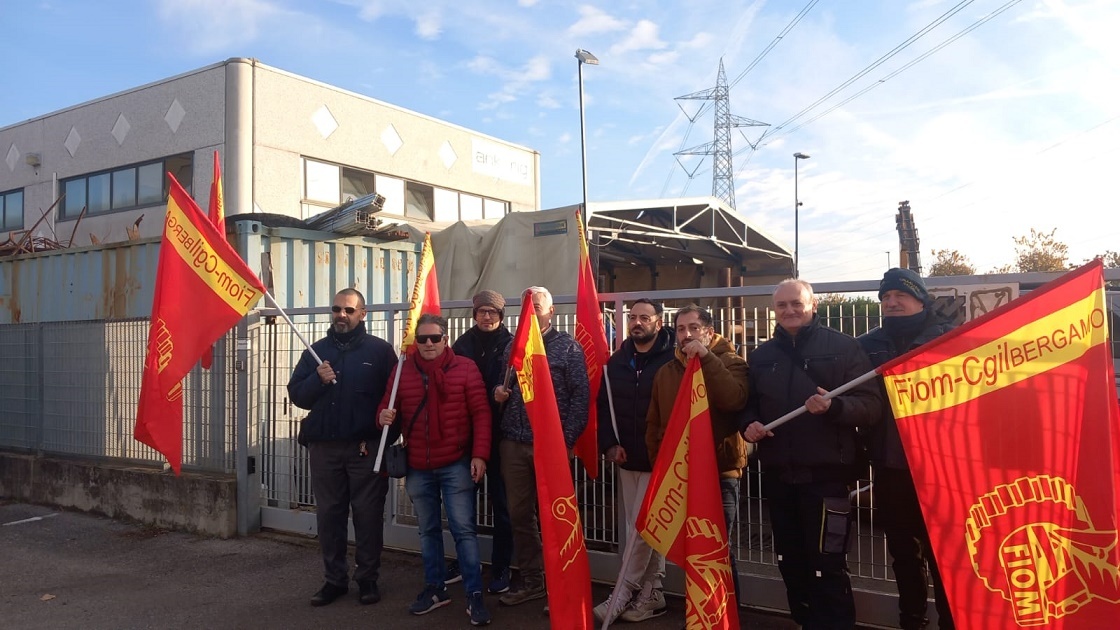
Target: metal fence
70	388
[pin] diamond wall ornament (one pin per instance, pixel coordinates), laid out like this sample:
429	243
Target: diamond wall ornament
174	115
324	121
120	129
391	139
73	139
447	154
13	157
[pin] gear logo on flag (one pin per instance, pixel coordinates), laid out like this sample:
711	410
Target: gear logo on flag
564	510
1045	569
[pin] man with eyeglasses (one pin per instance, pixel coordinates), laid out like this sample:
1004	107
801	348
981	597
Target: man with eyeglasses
485	343
342	395
444	418
569	380
622	438
725	376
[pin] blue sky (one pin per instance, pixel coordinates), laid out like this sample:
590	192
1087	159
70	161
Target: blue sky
1011	126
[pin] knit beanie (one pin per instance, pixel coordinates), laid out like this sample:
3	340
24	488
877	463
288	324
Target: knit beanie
493	299
905	280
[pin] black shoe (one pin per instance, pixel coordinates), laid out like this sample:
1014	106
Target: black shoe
328	594
367	592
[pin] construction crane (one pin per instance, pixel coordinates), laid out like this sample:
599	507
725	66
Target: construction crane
907	239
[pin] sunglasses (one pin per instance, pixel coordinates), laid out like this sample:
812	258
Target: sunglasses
433	339
350	310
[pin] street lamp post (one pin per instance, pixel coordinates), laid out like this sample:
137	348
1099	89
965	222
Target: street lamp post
797	157
584	57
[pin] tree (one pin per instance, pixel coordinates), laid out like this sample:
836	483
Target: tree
948	262
1040	251
1110	258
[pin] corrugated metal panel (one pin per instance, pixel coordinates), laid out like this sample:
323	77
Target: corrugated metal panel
117	281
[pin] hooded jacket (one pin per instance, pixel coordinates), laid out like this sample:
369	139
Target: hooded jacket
486	349
342	411
463	429
785	372
725	376
630	377
883	442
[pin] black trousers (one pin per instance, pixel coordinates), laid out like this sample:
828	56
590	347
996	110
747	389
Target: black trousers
343	483
817	584
900	515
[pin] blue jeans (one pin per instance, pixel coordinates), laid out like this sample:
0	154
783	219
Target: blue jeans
452	488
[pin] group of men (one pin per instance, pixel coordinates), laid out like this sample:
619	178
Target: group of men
462	419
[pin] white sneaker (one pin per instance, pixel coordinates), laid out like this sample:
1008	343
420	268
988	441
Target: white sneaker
649	603
624	597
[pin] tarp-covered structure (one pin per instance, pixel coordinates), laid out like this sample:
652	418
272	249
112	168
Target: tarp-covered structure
638	245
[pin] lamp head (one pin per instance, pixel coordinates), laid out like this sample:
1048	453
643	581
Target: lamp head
801	156
586	57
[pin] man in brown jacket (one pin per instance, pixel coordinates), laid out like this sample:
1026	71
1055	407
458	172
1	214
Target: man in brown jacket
725	376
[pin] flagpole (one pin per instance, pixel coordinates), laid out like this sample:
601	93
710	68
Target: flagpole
306	343
620	583
859	380
610	405
392	405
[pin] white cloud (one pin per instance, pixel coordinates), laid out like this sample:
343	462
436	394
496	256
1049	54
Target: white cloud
594	21
644	36
240	23
527	3
429	24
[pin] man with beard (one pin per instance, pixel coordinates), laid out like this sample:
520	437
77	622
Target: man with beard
485	343
907	324
725	377
623	404
808	462
342	394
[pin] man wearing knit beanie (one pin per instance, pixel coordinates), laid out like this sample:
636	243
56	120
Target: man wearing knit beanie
908	322
484	344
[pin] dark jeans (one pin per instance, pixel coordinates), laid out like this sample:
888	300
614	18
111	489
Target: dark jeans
729	489
502	554
908	542
817	584
521	491
343	482
451	489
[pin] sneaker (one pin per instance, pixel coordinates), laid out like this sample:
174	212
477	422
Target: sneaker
477	610
623	604
431	598
649	603
522	594
328	594
499	584
453	574
367	592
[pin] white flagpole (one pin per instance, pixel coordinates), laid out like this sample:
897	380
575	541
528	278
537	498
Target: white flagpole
306	343
392	405
859	380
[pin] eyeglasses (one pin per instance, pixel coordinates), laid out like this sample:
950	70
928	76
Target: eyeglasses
489	312
350	310
432	339
645	319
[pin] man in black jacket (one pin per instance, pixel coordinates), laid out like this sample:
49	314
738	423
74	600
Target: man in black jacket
622	437
808	462
342	394
485	343
908	322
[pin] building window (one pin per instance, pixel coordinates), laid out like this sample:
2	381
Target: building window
11	210
125	188
419	199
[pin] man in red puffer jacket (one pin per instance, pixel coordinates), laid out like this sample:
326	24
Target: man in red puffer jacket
445	422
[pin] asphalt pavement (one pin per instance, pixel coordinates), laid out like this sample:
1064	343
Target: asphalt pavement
74	570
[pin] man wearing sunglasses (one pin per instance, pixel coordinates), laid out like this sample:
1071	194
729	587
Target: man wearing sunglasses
485	343
342	395
445	421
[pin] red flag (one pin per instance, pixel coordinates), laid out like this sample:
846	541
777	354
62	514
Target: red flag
682	513
1012	431
218	216
593	338
566	567
425	293
203	289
